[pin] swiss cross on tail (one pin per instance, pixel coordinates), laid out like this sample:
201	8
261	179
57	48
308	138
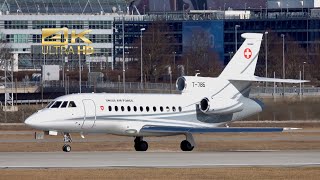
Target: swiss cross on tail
102	108
247	53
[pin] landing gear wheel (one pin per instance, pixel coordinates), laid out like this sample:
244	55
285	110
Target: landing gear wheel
66	148
186	146
141	146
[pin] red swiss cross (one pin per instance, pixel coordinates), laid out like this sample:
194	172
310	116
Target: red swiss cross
247	53
102	108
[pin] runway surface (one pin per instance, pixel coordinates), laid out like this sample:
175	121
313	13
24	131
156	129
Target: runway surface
158	159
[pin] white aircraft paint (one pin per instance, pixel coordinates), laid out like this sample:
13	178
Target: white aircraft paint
203	105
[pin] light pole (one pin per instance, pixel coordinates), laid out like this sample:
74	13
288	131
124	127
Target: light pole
245	10
224	10
303	76
123	60
141	30
235	35
283	61
183	10
174	59
266	53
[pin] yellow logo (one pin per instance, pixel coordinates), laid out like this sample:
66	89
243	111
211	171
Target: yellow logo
56	41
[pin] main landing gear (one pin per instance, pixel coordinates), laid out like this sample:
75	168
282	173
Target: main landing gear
188	144
67	139
140	144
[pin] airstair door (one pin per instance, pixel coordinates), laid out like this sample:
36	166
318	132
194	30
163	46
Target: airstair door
89	113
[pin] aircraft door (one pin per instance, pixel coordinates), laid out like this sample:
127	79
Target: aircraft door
89	113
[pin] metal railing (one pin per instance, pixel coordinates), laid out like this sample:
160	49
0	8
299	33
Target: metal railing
255	90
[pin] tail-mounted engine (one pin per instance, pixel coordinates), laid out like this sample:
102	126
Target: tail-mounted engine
220	106
193	83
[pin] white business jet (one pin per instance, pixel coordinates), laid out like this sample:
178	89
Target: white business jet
203	105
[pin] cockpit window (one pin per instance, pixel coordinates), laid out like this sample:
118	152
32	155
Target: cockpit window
72	104
56	104
48	106
64	104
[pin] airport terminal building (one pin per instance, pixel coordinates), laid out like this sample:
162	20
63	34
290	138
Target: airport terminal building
21	23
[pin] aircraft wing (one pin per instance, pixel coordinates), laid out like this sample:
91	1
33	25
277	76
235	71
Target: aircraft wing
263	79
176	129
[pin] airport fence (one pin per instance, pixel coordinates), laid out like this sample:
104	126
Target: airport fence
165	87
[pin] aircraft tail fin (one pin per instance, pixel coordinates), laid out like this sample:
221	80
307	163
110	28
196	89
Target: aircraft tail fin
245	60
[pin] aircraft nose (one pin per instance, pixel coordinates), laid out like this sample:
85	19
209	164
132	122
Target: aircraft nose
31	121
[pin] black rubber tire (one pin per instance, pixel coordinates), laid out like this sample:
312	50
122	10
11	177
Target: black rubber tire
141	146
66	148
186	146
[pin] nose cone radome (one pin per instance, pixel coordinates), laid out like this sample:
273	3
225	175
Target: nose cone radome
32	122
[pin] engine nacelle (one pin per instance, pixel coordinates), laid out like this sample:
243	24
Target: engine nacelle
193	83
220	106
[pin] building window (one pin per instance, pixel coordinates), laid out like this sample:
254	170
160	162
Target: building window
43	24
72	24
100	25
100	38
16	24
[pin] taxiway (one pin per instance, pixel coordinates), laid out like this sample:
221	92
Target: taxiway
157	159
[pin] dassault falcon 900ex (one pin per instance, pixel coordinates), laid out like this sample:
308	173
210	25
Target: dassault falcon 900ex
203	105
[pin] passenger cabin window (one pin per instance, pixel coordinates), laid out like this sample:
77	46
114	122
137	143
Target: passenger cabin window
147	108
135	108
122	108
174	109
167	108
72	104
141	108
64	104
129	108
56	104
154	109
180	109
161	108
116	108
110	108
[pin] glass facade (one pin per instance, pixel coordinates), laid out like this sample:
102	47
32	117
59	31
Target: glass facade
28	40
300	27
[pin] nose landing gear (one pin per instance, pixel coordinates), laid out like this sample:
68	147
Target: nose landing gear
66	139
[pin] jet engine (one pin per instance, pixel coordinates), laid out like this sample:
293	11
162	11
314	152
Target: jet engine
220	106
193	83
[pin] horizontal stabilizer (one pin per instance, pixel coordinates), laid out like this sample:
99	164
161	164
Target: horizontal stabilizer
174	129
263	79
